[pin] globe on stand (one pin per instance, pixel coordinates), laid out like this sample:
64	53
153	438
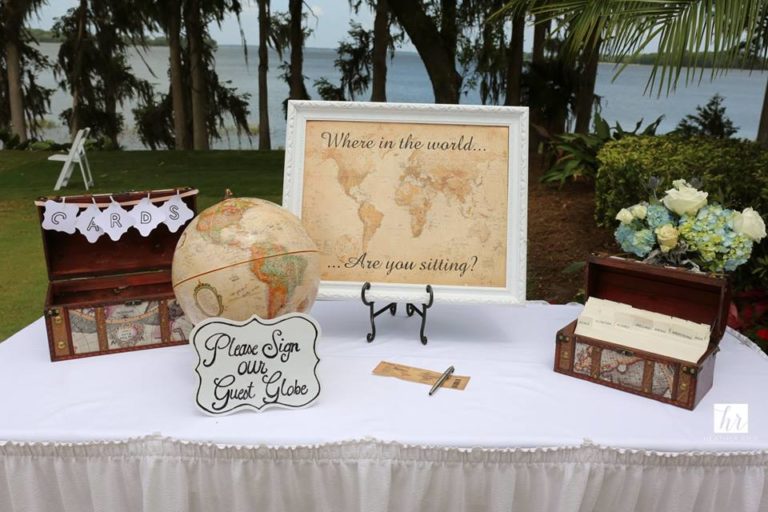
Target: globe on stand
245	256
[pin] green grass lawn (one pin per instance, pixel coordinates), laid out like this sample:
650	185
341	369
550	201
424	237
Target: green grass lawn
25	176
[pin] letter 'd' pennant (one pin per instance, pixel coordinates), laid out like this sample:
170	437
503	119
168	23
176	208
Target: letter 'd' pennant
146	216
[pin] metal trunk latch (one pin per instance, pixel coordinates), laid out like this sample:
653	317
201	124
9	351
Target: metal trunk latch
690	370
54	315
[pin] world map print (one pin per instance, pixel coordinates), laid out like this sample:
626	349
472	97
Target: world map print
621	369
625	370
125	326
430	200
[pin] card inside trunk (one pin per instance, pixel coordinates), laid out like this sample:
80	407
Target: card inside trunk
670	291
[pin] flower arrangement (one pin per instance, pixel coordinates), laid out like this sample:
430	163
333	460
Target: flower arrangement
684	229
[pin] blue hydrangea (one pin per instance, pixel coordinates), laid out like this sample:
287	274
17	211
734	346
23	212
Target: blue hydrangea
639	242
710	233
657	216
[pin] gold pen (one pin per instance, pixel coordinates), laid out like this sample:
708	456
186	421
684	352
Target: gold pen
447	373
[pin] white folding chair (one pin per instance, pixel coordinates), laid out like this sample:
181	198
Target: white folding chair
77	156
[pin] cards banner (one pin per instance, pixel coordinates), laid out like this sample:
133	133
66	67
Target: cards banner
114	220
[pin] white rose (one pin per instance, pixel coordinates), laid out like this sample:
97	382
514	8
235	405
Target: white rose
685	199
625	216
680	183
667	237
639	211
750	224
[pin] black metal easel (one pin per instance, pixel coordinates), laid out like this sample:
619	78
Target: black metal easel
410	309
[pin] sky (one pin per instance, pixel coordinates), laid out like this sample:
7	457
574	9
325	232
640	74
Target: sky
329	21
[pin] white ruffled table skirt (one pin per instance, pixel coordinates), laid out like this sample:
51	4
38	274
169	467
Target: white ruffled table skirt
121	433
156	474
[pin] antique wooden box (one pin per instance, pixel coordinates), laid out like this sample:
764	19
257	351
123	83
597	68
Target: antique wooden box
698	297
112	296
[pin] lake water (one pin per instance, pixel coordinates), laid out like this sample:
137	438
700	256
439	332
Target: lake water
623	100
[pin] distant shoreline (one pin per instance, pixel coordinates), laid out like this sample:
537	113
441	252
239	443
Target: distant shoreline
645	59
624	98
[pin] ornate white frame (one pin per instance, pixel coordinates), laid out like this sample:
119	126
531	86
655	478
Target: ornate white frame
515	118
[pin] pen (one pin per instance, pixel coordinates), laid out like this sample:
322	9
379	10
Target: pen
447	373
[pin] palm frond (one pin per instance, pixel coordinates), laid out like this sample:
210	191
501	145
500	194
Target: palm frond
720	29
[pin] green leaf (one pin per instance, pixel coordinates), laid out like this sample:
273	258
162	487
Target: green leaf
575	267
602	129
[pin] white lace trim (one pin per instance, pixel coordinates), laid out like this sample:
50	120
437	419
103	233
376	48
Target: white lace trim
746	341
388	452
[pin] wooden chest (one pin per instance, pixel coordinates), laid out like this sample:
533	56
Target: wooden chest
700	298
112	296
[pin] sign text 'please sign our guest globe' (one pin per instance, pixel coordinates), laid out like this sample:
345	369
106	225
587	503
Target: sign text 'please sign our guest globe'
256	364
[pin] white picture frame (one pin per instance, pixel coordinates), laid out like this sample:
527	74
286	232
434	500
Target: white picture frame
515	119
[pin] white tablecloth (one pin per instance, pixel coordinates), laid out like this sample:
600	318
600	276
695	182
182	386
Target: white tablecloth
520	434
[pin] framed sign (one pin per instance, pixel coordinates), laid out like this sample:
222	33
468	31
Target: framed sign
405	195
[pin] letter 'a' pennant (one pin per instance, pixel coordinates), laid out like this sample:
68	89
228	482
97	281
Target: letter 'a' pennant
115	221
86	223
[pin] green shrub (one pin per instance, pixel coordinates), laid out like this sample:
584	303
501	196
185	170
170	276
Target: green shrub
733	172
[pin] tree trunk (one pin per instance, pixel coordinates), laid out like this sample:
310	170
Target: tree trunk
540	30
15	13
103	19
538	59
110	107
198	76
448	29
297	89
177	82
515	61
762	131
265	142
438	60
15	94
381	43
585	90
77	78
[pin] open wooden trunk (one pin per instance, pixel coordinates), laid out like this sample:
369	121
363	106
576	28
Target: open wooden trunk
697	297
107	297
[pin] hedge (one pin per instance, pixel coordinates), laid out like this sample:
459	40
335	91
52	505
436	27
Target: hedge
734	172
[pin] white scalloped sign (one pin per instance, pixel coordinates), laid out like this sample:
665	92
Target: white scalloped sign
256	364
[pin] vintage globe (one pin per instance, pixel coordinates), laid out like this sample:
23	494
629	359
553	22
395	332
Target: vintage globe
245	256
